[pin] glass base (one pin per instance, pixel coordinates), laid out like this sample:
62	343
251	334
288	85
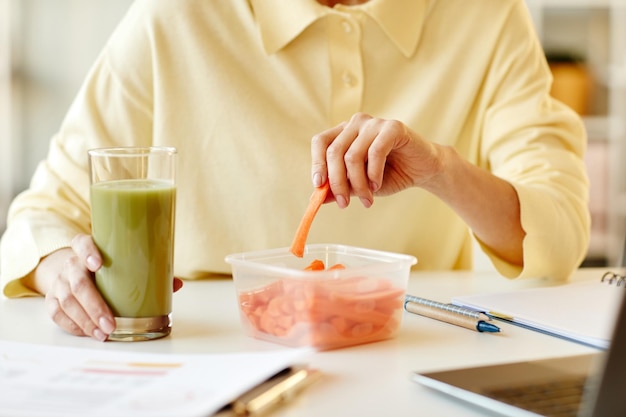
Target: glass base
130	329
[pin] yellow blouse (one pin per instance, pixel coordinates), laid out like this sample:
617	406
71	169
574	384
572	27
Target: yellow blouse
239	87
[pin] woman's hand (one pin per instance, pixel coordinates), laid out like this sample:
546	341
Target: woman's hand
72	300
367	156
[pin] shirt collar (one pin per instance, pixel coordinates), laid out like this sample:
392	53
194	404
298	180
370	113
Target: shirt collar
281	21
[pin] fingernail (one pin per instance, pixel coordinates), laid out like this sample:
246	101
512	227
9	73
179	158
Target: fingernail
98	335
91	263
367	203
106	325
373	187
317	179
342	202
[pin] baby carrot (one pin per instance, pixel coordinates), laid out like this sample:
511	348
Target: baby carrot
315	265
315	202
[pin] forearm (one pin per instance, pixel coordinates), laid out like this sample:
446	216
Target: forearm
489	205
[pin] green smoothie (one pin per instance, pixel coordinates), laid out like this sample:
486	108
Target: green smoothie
133	226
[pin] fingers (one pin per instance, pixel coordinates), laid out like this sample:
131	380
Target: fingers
75	304
72	299
353	155
319	145
178	284
85	248
347	163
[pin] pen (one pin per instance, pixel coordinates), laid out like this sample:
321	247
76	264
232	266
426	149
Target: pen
278	389
449	307
451	317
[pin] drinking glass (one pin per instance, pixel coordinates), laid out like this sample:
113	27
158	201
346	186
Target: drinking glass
133	200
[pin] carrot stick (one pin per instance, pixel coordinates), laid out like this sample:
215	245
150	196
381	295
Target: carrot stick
315	202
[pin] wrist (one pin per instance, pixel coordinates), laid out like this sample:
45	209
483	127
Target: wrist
445	162
40	278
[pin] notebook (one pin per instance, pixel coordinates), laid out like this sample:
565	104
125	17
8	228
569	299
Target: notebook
586	310
545	387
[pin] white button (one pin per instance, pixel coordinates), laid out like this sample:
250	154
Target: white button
347	27
348	79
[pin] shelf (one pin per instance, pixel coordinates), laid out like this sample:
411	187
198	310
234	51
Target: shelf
617	76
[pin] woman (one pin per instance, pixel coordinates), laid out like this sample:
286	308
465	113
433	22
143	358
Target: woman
441	106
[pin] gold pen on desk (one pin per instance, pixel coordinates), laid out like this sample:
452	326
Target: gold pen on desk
280	388
428	309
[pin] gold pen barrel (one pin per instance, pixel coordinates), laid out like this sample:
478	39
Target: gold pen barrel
281	388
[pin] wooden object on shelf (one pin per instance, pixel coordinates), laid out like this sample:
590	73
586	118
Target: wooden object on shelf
572	83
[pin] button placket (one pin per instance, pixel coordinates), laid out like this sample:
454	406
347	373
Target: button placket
349	80
347	27
346	67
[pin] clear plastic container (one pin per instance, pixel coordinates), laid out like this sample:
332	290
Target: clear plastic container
357	298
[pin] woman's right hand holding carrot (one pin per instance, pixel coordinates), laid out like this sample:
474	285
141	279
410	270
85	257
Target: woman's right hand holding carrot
369	156
366	156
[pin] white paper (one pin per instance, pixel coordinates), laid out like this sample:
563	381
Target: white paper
582	311
50	381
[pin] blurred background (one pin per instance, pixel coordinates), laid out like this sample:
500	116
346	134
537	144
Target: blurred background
47	47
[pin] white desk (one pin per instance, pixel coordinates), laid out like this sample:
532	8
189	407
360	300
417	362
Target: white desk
367	380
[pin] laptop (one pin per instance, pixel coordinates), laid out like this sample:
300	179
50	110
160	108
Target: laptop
588	385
